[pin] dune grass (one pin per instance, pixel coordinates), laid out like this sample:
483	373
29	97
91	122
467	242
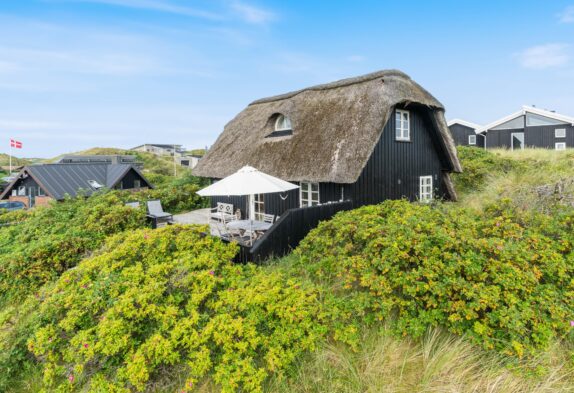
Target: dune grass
439	362
528	169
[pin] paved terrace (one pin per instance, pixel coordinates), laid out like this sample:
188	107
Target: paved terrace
200	217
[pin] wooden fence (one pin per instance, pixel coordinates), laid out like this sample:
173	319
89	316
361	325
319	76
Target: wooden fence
289	230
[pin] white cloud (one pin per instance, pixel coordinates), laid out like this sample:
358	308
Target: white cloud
252	14
567	16
545	56
101	62
153	5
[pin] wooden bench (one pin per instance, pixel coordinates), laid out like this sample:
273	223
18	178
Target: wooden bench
223	212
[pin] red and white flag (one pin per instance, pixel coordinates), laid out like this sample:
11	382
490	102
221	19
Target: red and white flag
15	144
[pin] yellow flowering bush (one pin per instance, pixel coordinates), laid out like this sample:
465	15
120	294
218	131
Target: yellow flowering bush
503	277
154	299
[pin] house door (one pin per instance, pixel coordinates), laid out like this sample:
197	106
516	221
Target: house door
517	140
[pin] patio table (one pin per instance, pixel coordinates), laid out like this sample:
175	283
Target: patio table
249	225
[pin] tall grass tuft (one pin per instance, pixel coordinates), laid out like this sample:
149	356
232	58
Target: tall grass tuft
439	362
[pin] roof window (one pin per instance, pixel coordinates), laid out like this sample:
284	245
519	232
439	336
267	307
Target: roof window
95	185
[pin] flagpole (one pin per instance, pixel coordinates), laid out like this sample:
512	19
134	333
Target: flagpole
10	174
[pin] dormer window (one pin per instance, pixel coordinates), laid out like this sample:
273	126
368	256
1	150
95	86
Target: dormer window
282	123
278	125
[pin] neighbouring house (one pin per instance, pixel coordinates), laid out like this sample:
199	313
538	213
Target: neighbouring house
356	141
530	127
464	133
101	159
189	161
161	149
38	184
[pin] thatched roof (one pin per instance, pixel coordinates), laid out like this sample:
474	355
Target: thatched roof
335	129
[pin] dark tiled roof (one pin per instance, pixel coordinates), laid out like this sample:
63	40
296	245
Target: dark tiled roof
61	179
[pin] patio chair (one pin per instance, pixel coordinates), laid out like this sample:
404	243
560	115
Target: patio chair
221	211
156	214
269	218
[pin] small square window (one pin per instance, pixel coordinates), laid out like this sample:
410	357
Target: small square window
560	133
137	183
560	146
309	194
472	139
402	125
21	190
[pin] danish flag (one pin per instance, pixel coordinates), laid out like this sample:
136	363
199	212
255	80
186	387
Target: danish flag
15	144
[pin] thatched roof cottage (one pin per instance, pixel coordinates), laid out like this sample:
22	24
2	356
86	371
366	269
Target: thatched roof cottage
363	139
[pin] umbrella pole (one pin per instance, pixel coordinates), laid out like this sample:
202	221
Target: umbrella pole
251	216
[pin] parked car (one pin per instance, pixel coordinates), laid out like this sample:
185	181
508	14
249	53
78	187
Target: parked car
11	206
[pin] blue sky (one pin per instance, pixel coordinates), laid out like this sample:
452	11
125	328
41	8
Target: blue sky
76	74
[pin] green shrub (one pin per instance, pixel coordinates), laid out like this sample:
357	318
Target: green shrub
478	165
51	240
505	277
13	217
175	197
156	299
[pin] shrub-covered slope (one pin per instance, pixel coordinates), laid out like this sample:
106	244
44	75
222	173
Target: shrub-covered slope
151	300
504	278
474	296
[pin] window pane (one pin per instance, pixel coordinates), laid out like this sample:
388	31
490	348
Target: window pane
304	186
315	187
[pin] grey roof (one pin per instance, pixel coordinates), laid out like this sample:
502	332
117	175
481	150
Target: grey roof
61	179
96	158
162	145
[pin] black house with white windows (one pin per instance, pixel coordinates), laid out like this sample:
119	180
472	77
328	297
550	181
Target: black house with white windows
362	140
530	127
39	184
464	133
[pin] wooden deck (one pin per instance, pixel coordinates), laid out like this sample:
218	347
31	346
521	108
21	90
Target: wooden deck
281	238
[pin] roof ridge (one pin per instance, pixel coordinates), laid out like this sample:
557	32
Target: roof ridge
335	84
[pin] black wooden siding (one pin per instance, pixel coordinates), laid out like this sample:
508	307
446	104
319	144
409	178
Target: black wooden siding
127	182
291	228
460	134
537	136
32	189
392	171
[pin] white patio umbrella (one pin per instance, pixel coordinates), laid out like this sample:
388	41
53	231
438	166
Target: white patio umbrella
247	181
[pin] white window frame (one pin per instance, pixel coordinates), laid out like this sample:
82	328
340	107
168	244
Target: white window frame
426	188
258	206
283	123
41	192
21	190
137	183
472	140
560	146
562	132
309	194
402	127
